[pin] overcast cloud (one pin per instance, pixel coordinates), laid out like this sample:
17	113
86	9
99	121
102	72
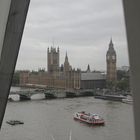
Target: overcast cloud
83	28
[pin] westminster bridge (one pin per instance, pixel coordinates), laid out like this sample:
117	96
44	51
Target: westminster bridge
52	93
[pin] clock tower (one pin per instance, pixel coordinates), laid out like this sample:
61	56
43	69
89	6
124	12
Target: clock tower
111	63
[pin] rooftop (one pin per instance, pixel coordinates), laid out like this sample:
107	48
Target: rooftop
92	76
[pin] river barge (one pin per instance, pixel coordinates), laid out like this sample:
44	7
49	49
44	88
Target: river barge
110	97
14	122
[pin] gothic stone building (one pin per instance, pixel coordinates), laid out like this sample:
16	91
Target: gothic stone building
92	79
64	77
111	63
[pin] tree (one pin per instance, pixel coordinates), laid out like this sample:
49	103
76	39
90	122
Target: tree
123	80
123	84
111	85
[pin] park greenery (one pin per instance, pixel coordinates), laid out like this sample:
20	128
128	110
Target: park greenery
122	83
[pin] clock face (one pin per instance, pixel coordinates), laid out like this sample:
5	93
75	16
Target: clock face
113	57
108	57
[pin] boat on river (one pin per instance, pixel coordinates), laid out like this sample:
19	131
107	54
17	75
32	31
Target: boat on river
111	97
89	118
14	122
128	100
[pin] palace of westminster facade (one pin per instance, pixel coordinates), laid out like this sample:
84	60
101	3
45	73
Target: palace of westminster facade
66	77
62	77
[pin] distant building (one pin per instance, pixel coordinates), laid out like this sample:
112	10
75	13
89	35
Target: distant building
23	77
66	77
111	63
63	77
92	80
88	68
124	68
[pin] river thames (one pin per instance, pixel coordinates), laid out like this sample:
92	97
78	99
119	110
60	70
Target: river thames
44	119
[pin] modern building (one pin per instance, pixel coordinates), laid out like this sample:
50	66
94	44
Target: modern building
111	60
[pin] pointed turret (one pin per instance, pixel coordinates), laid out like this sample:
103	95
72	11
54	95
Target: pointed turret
88	68
66	63
111	50
111	42
66	57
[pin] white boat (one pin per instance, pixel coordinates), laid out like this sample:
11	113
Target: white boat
14	122
89	118
128	100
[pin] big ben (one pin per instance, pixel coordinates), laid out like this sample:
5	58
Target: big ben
111	63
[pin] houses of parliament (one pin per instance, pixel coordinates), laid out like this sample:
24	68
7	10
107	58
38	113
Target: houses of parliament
62	77
66	77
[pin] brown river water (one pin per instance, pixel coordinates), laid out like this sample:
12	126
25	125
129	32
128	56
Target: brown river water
53	119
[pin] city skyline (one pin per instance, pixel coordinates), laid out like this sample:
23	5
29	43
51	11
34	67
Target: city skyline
83	29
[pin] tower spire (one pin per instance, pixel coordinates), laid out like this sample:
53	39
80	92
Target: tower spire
66	63
111	38
88	68
66	57
111	43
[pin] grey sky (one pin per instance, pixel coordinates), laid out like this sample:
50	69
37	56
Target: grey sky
83	28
